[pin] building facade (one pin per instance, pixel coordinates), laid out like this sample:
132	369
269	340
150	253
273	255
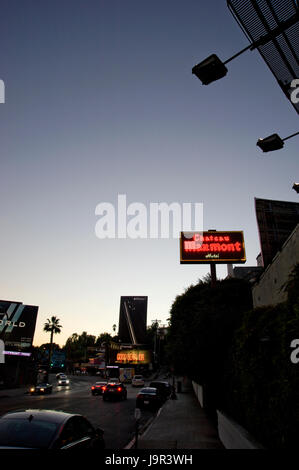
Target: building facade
269	290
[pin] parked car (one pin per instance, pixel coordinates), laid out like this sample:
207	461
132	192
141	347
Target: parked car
163	387
98	388
114	391
42	388
47	429
138	381
149	397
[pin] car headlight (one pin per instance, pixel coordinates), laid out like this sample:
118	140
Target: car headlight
42	389
32	389
67	381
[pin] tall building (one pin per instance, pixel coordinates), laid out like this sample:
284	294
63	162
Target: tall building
276	220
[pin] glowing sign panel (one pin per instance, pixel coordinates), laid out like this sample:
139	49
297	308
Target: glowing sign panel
212	247
134	357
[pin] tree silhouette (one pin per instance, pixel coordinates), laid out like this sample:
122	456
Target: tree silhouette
52	326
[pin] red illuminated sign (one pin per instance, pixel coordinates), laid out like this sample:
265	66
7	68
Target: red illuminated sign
212	247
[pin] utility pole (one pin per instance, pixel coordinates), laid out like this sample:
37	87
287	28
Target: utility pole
155	322
213	270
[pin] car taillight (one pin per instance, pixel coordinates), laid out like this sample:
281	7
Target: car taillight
119	389
92	388
104	388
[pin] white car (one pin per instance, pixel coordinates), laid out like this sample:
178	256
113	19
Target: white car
63	380
138	381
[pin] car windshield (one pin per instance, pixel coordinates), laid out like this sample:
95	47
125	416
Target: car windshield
160	384
25	433
149	391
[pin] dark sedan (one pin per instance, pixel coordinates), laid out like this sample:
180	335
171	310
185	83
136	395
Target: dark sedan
98	388
40	389
47	429
163	387
149	397
114	391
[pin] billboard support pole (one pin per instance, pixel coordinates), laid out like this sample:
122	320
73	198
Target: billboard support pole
213	275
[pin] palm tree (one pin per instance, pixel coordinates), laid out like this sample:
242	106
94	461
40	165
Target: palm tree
52	326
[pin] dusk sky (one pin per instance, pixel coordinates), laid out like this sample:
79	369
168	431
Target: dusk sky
100	101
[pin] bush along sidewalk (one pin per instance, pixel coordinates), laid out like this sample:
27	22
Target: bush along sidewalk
262	382
241	355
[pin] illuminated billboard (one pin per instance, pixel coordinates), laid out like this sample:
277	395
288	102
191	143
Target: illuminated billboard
134	357
212	247
132	319
17	324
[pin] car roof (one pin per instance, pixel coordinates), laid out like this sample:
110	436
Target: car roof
57	417
160	382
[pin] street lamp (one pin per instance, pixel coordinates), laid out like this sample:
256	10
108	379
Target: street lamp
212	68
273	142
296	187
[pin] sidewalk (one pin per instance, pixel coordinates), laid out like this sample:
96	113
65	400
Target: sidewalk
181	424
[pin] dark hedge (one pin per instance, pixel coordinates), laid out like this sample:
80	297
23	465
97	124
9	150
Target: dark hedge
241	355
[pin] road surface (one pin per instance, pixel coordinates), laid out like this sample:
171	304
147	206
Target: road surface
115	418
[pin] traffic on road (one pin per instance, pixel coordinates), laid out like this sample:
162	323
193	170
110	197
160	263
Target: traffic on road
89	412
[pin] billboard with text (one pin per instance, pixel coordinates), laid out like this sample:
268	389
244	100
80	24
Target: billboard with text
17	324
212	247
132	319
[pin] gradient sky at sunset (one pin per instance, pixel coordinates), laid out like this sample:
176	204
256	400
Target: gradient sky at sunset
101	101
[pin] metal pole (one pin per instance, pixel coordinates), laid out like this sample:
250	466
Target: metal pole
213	275
238	53
290	136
